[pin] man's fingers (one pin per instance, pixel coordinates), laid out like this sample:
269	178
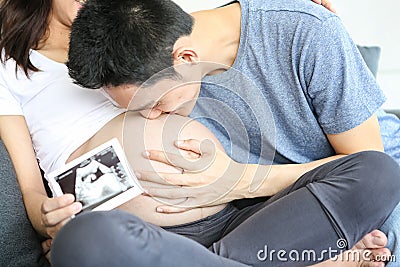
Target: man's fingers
319	2
190	145
189	154
157	155
198	148
146	184
197	155
173	193
152	177
174	179
171	209
177	161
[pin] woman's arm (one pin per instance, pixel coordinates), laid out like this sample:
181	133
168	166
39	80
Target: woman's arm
248	180
46	215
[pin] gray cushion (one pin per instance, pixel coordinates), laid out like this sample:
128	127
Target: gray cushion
19	243
394	111
371	55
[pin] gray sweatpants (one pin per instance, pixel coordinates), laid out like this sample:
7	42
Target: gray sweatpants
328	209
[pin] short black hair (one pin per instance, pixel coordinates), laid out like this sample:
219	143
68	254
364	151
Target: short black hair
116	42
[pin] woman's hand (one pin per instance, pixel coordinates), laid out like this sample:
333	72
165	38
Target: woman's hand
326	3
56	212
46	246
209	177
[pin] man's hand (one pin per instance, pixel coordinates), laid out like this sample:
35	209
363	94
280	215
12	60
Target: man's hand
209	177
326	3
56	212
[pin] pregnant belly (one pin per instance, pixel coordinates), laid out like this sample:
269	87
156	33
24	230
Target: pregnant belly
145	208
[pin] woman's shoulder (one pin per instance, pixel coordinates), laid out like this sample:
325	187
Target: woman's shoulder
14	78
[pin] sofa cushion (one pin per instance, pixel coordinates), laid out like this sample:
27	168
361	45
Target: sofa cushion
20	245
371	55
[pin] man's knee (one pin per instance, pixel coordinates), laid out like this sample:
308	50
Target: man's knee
367	182
364	189
380	171
368	171
379	181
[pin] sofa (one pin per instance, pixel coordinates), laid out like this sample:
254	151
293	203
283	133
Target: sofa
20	245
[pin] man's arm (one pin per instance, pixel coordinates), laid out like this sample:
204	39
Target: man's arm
218	179
364	137
361	138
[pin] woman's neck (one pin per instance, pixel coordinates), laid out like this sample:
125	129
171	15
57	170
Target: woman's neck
56	43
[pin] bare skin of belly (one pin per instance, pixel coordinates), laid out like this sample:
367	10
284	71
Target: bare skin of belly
136	134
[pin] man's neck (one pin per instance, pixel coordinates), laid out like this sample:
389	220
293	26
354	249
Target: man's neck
216	35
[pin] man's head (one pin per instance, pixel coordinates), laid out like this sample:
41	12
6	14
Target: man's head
120	44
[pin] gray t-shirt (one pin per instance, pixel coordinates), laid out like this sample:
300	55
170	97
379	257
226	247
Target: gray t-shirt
297	77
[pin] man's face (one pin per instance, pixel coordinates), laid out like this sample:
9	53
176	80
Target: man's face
165	96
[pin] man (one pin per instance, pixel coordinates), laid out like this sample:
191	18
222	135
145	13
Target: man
298	56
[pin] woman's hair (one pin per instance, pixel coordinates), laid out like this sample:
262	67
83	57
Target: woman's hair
23	23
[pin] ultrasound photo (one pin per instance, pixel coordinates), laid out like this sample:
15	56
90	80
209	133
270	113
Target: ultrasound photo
97	177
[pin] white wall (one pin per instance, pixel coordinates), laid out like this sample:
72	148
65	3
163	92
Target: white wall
370	22
195	5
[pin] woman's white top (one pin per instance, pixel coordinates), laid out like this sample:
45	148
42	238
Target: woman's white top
60	115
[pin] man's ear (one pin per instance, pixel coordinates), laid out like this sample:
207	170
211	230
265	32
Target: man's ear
184	52
187	56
